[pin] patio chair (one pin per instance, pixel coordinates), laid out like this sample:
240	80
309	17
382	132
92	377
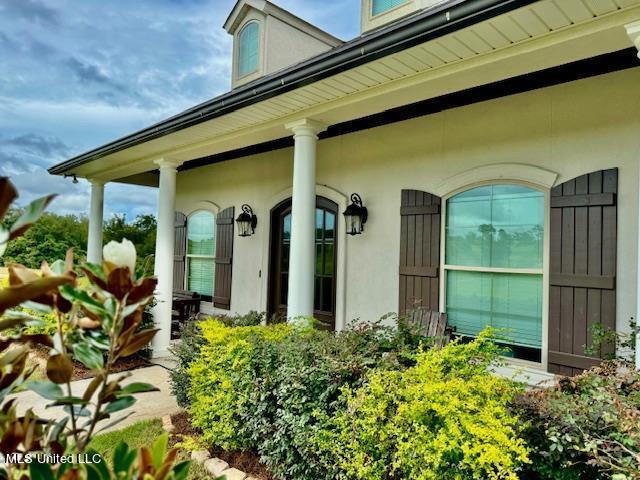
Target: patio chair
185	306
428	323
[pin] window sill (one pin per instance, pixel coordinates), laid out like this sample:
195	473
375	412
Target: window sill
530	373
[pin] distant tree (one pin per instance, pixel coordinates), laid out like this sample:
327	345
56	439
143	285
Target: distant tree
51	237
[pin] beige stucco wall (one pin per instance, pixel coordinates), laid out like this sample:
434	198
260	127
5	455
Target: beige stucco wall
570	129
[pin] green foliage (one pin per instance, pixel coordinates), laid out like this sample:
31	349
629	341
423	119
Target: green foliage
445	418
218	389
587	426
47	240
300	376
188	349
53	234
623	343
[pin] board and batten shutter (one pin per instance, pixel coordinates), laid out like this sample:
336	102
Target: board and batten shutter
179	250
583	237
419	251
224	259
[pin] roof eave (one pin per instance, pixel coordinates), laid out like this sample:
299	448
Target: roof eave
433	23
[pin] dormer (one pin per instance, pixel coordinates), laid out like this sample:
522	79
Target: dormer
267	38
377	13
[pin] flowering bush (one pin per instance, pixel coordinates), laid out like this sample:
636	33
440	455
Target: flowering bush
445	418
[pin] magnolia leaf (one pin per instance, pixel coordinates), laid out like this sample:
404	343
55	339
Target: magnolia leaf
67	401
181	470
16	295
123	458
45	389
138	387
40	471
120	404
77	410
58	267
32	212
13	319
59	369
89	356
138	342
8	194
159	449
92	387
82	297
114	423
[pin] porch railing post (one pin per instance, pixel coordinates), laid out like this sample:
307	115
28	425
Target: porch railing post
303	213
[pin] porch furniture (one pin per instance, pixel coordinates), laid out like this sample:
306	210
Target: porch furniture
432	324
185	305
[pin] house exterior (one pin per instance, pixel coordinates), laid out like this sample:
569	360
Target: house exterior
494	143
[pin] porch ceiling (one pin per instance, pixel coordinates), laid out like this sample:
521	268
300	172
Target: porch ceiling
538	36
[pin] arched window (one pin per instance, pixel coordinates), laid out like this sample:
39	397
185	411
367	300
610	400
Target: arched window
494	250
201	253
248	48
381	6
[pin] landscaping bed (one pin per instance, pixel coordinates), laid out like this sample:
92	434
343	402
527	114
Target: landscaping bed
247	461
377	403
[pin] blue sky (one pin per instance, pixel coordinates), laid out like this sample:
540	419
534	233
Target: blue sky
75	74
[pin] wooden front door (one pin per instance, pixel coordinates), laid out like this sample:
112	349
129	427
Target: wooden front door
325	273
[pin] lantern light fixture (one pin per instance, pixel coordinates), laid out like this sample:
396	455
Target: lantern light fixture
355	215
247	222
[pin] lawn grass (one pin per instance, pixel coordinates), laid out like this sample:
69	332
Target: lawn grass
140	434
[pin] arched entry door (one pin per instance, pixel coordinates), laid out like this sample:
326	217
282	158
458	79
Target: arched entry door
326	251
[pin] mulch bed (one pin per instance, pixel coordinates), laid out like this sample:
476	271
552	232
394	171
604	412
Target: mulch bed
80	372
248	461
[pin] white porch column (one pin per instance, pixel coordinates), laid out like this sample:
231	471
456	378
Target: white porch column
633	30
303	213
164	255
96	213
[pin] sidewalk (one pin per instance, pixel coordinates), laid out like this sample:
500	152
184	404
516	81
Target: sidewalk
148	406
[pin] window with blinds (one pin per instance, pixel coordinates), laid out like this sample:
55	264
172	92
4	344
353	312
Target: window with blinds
494	250
201	252
248	49
381	6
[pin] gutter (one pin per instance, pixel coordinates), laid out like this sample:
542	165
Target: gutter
401	35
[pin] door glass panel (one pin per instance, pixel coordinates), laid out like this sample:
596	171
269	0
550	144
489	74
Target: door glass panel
319	223
327	294
286	227
330	225
328	259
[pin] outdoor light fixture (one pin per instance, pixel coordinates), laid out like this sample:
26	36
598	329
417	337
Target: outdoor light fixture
75	180
355	215
247	222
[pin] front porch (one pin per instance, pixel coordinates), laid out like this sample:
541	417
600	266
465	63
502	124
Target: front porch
540	111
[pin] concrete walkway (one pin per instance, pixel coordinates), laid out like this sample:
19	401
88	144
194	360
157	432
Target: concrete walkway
148	406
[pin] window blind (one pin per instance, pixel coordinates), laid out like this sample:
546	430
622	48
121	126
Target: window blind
201	251
248	50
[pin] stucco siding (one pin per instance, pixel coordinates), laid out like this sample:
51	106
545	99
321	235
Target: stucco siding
570	129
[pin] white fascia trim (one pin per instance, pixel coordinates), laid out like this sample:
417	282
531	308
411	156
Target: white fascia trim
633	30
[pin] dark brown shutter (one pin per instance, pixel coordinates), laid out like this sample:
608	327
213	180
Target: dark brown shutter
583	268
419	250
179	250
224	259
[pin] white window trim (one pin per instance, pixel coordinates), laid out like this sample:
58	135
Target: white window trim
543	364
188	255
259	62
385	12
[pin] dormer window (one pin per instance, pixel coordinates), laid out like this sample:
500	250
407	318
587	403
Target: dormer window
248	49
381	6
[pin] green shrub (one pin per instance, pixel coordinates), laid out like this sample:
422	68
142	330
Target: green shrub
219	380
445	418
188	349
302	375
587	426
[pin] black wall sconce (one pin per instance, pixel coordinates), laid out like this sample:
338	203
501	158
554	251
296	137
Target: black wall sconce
247	222
355	215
